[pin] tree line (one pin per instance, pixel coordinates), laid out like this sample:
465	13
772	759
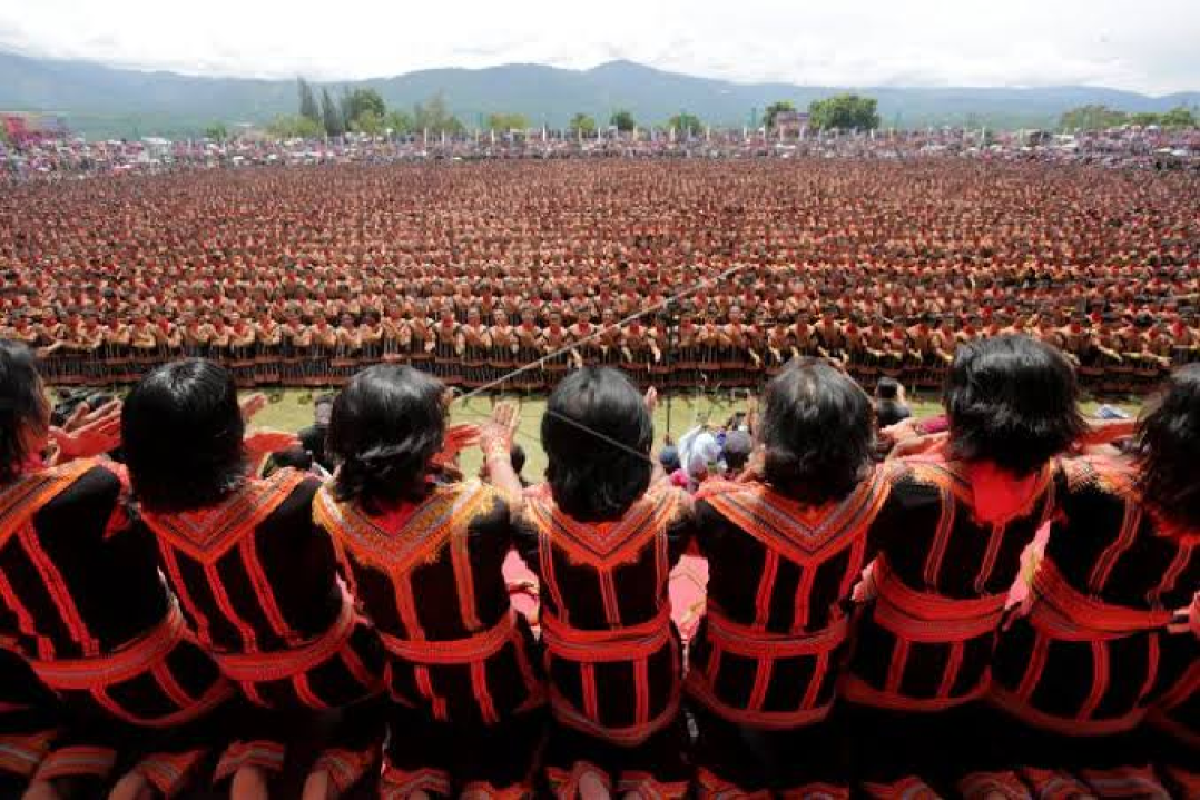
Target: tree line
1099	117
364	111
360	111
325	113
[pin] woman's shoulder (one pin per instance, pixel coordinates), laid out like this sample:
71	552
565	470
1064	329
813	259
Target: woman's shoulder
89	484
1098	474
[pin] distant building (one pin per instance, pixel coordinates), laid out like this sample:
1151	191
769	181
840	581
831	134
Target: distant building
1033	137
249	132
791	124
155	148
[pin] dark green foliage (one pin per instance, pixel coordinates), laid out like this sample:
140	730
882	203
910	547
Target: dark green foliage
844	112
622	120
774	109
331	115
308	101
583	123
685	124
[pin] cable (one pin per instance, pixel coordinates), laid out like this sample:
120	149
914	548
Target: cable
620	324
574	423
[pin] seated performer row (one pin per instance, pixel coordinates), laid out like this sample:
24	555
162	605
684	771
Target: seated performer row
381	595
741	346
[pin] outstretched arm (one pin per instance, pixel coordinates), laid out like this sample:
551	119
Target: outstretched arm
495	439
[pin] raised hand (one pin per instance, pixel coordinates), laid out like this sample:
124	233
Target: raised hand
919	445
652	399
495	439
252	405
88	433
497	433
84	415
901	431
261	444
459	438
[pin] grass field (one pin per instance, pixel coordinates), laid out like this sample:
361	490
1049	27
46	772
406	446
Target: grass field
292	410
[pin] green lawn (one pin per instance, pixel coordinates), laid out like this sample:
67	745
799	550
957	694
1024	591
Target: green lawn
675	416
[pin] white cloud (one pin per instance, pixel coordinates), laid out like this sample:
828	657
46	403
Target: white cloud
1149	47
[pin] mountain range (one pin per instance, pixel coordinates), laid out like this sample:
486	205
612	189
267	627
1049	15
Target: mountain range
101	100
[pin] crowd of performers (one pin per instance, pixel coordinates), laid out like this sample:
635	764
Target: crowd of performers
1009	608
303	276
530	343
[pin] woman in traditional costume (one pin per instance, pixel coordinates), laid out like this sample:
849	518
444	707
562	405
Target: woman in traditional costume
784	553
424	559
602	539
945	564
1080	673
256	579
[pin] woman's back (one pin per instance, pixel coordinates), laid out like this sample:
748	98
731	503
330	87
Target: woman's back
781	572
580	563
428	575
1113	572
960	530
253	574
1109	544
613	657
77	582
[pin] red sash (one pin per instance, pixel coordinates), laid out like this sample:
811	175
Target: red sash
726	636
915	617
139	657
927	617
1063	612
473	649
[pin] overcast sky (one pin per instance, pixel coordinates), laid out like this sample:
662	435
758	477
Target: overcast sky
1147	45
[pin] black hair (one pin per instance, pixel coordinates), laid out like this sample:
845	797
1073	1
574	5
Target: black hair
97	399
182	431
386	426
597	434
887	388
1012	401
295	457
738	446
1169	450
669	458
22	406
818	428
517	458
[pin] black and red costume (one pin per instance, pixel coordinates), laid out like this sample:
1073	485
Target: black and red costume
612	654
82	604
949	552
257	580
467	698
765	663
1081	669
30	719
1174	715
